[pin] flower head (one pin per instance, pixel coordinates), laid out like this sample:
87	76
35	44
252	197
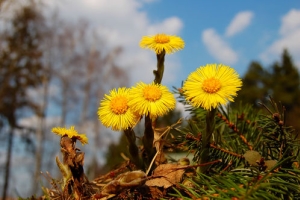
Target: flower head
153	99
71	133
160	42
114	110
211	85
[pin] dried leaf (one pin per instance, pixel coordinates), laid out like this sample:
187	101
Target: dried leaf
166	175
159	182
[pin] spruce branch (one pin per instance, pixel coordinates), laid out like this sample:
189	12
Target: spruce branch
235	129
226	151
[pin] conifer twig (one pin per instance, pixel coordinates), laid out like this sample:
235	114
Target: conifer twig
235	129
226	151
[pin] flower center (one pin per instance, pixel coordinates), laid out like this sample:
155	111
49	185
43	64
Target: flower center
211	85
161	38
152	93
119	105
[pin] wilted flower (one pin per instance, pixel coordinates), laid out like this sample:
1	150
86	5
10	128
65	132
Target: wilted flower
71	133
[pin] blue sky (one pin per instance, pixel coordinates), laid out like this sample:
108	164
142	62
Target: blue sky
253	40
229	32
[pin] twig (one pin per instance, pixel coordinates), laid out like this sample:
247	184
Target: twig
226	151
159	149
236	130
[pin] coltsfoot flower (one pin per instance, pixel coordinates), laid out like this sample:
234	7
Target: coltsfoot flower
151	99
115	112
71	133
211	85
160	42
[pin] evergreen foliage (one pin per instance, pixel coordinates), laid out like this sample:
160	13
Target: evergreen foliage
285	81
258	155
281	81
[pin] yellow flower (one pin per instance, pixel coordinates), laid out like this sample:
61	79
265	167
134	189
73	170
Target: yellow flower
114	111
211	85
153	99
71	133
160	42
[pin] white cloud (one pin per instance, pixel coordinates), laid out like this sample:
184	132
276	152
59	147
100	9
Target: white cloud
290	22
218	48
170	26
34	121
183	110
289	39
241	21
122	23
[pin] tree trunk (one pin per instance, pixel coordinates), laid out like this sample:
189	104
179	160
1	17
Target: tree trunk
64	102
8	162
40	136
86	101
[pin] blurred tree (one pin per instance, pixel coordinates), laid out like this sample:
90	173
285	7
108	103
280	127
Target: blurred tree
170	118
285	85
20	69
113	158
281	81
285	82
83	68
79	68
4	4
255	82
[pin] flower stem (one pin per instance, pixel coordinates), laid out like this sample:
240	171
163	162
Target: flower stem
210	126
147	140
160	67
133	149
148	133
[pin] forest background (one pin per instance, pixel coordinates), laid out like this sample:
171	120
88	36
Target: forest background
54	72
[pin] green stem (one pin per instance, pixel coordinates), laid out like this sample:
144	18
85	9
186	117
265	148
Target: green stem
210	126
148	137
160	67
133	148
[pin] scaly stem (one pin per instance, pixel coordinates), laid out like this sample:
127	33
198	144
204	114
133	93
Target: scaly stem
133	148
147	140
210	126
160	67
148	133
